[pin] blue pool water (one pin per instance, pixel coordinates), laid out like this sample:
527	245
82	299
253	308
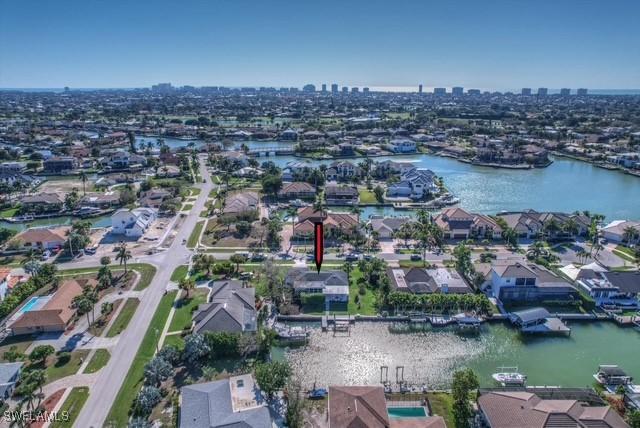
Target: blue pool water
406	412
33	304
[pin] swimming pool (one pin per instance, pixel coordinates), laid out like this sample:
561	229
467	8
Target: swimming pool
33	304
407	412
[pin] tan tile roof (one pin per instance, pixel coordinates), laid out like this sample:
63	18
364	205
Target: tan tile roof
357	407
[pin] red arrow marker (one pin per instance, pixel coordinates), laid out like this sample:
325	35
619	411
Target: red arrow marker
318	253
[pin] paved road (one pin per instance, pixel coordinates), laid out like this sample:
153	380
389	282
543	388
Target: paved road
111	377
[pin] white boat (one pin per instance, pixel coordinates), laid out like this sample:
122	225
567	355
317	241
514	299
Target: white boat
509	376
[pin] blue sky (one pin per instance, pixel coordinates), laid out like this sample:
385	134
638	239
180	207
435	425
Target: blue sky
485	44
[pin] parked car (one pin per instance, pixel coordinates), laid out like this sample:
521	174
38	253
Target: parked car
416	257
257	257
352	257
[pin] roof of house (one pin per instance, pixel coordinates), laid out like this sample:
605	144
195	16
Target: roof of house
507	409
421	281
627	282
388	223
42	198
333	190
35	235
241	202
214	404
302	278
231	308
357	406
297	187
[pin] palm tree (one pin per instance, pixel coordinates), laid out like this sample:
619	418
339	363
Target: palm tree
536	249
123	255
347	267
357	211
630	234
187	284
83	177
571	227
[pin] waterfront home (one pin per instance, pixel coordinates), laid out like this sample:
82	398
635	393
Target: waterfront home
510	280
42	238
416	183
620	289
230	308
341	194
401	145
243	204
387	226
13	168
60	165
9	278
335	224
42	203
386	168
132	223
530	408
248	172
123	160
342	149
427	281
333	284
626	160
531	224
101	200
342	171
289	135
616	231
9	377
357	406
154	198
457	223
538	321
236	401
237	158
297	190
56	314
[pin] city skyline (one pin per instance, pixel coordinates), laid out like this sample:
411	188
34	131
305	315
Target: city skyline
498	46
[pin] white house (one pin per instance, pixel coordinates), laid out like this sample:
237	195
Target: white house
402	145
416	183
132	223
615	231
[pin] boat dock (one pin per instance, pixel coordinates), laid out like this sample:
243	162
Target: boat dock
538	321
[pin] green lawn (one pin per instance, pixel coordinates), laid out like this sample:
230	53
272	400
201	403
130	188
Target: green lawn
367	197
11	212
174	340
442	405
72	405
124	317
98	361
119	413
187	207
195	234
57	371
625	253
367	300
195	191
146	272
21	344
185	307
180	272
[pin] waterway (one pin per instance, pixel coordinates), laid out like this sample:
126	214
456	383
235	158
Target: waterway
430	357
96	222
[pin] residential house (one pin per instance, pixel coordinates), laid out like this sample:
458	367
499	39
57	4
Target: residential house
241	205
56	314
233	402
42	203
13	168
60	165
334	284
620	289
457	223
402	145
154	198
615	231
531	224
358	406
230	308
124	160
42	238
9	377
342	171
9	278
334	223
510	280
385	227
525	408
289	135
132	223
101	200
427	281
297	190
386	168
341	194
414	184
238	158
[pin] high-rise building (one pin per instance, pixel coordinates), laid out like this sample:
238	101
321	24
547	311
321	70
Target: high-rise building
365	90
526	91
542	92
324	88
473	91
309	88
354	90
162	87
457	91
565	92
582	92
334	88
345	90
439	91
420	88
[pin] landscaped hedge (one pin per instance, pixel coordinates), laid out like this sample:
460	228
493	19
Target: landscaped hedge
312	299
25	289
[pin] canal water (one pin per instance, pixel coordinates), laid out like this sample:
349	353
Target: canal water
430	357
96	222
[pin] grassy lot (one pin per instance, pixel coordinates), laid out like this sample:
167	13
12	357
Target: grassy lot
195	191
21	343
11	212
124	317
187	207
442	405
625	253
57	370
180	272
185	307
411	263
72	405
367	197
119	413
146	271
195	234
174	340
367	300
98	361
